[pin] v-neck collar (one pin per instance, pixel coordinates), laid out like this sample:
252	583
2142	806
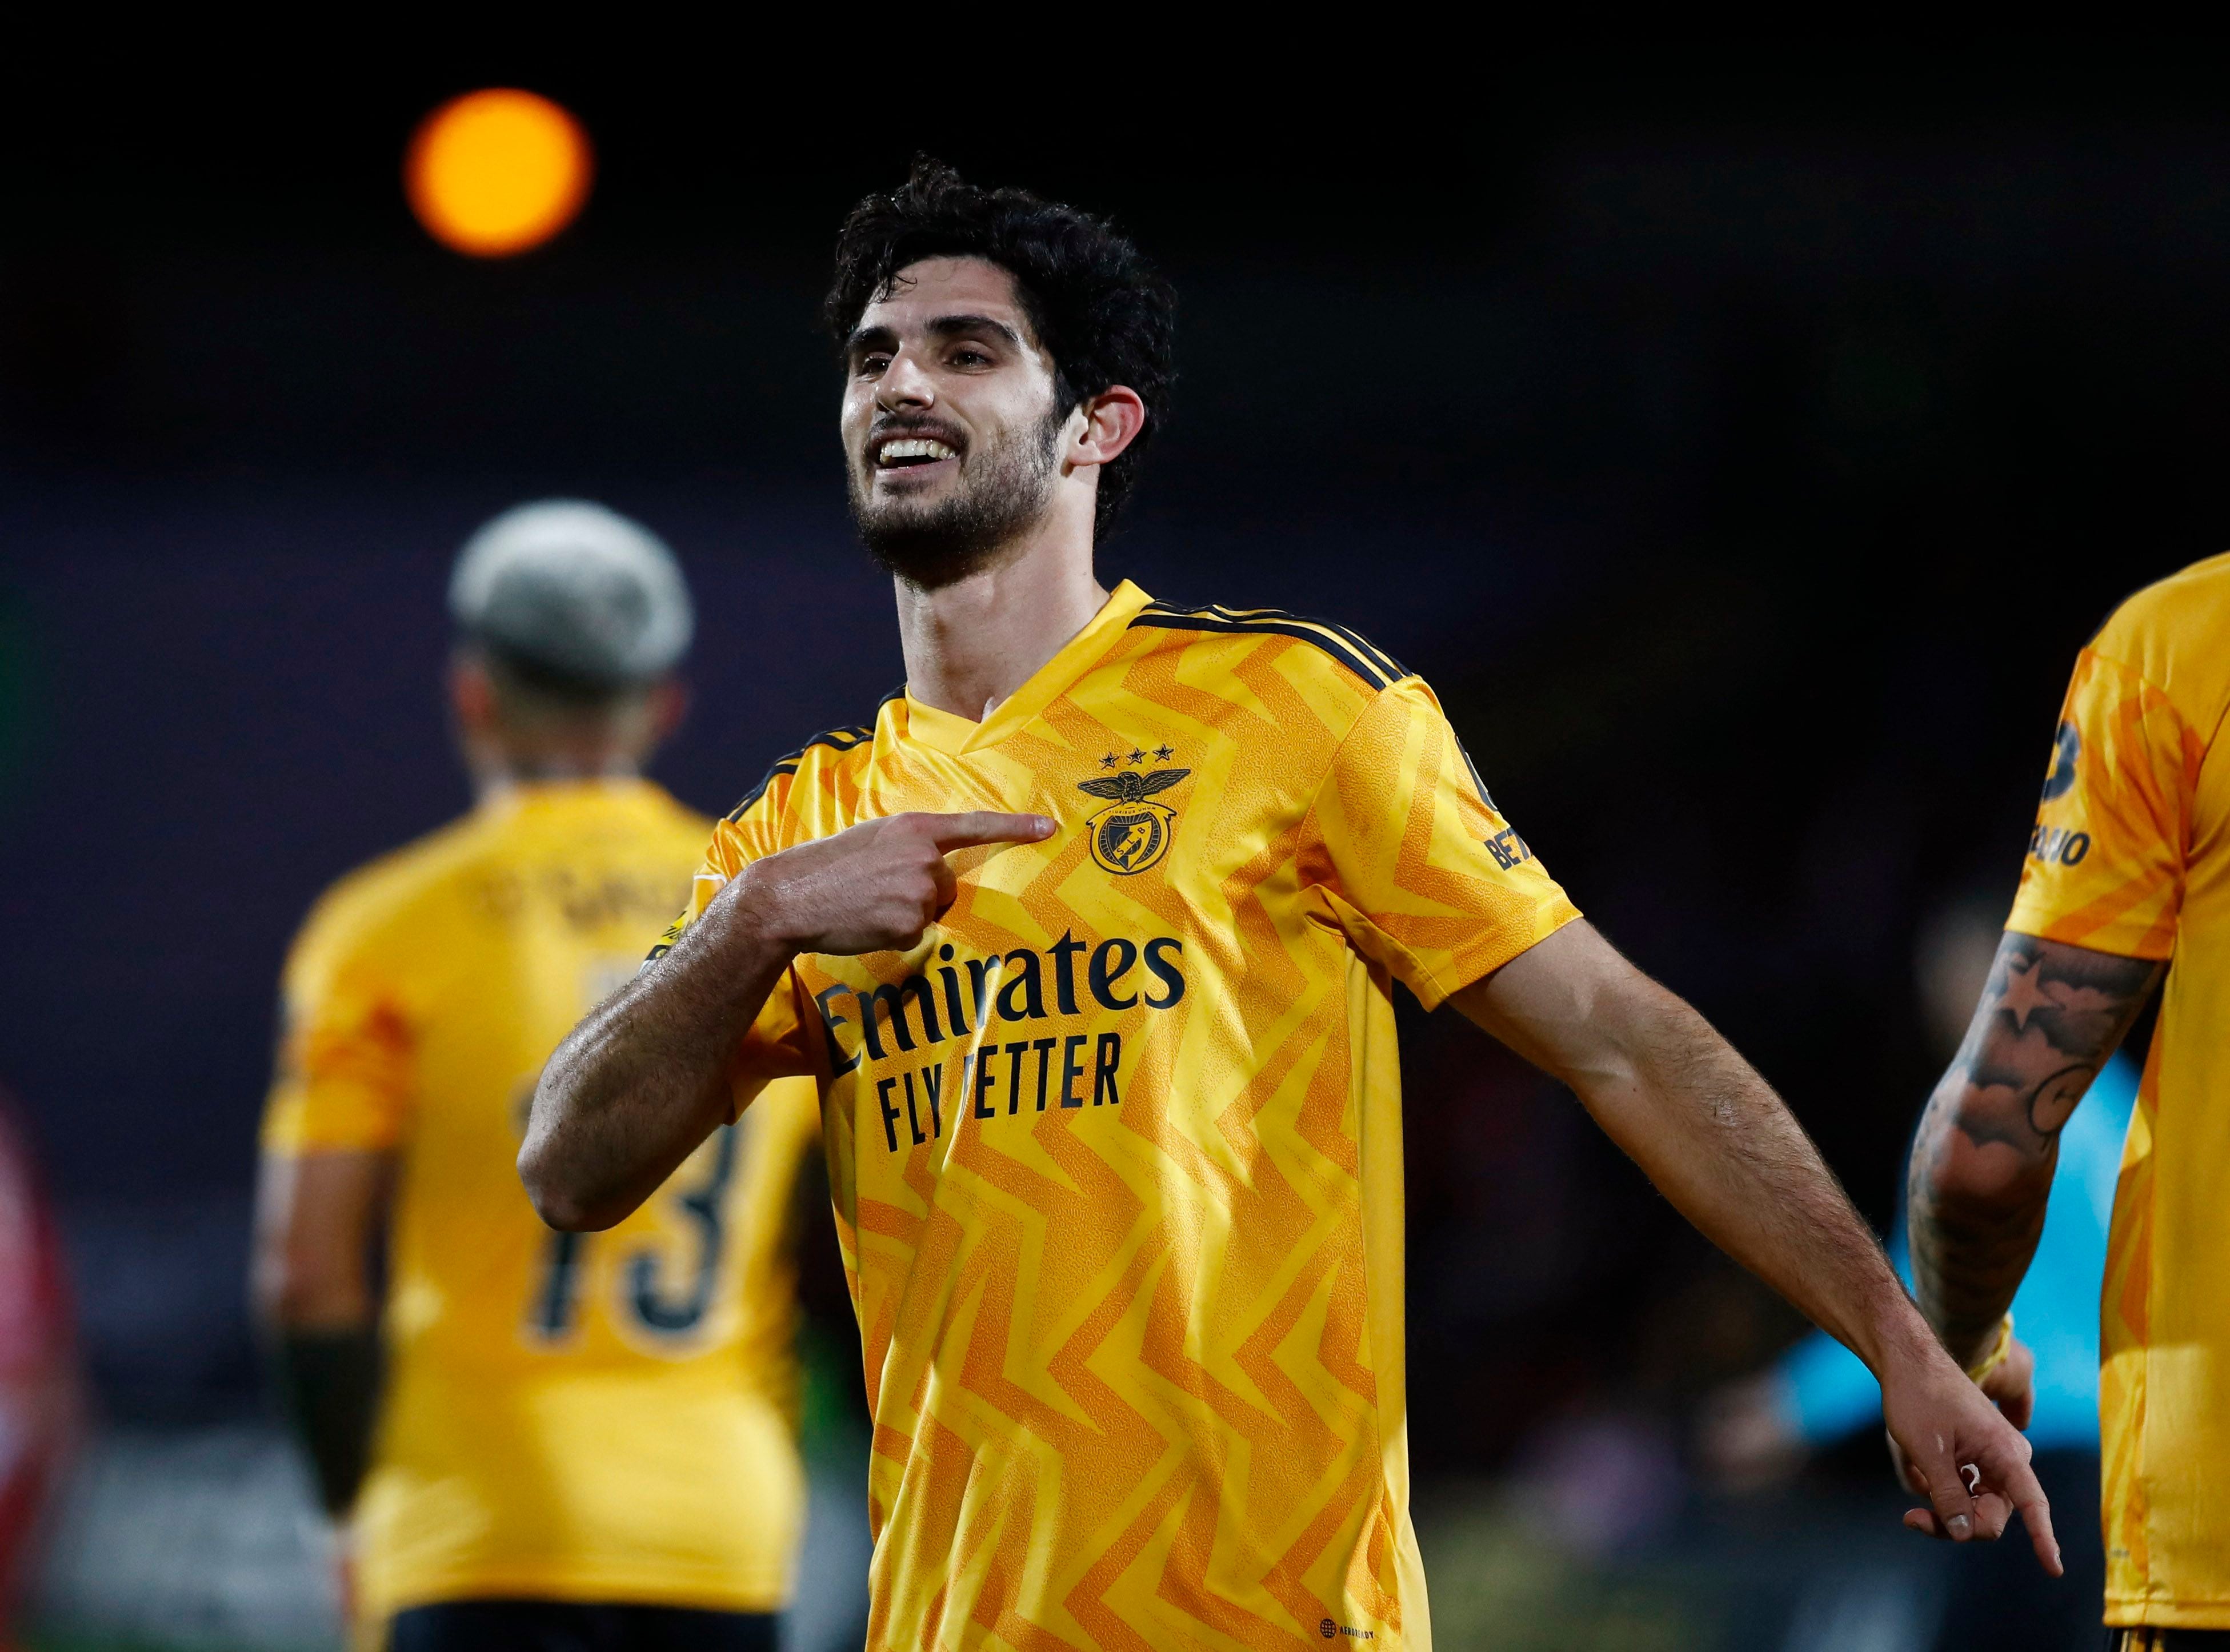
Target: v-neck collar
952	734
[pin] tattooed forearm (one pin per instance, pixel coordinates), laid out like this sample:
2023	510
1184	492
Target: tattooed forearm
1982	1162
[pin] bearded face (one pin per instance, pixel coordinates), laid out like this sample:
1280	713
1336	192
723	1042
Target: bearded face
934	504
953	422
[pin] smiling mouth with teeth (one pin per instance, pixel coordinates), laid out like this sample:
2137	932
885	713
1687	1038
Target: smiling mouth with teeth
899	455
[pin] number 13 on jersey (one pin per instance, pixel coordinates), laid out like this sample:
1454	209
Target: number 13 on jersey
654	1298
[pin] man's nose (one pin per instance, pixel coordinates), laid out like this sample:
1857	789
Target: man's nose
904	384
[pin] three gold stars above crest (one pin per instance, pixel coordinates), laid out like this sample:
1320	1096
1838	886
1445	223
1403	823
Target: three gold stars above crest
1134	756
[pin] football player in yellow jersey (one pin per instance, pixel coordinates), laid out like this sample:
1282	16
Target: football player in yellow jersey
2127	880
576	1443
1088	938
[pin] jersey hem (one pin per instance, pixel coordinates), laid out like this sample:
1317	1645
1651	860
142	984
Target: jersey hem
2158	1614
1470	967
2041	927
296	1140
586	1585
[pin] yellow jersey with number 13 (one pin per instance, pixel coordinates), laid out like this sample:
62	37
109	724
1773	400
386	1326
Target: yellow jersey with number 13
566	1416
1115	1150
2131	855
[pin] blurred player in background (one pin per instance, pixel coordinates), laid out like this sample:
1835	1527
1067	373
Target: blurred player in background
38	1372
569	1443
2127	878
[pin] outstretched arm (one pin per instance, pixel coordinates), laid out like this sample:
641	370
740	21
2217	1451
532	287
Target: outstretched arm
1982	1161
638	1084
1718	1142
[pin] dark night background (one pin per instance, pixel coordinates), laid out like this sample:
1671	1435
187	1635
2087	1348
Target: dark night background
1742	443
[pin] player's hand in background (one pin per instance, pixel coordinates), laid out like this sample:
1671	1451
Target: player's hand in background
340	1560
874	887
2012	1385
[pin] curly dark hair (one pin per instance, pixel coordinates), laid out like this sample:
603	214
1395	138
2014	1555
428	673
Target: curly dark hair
1103	313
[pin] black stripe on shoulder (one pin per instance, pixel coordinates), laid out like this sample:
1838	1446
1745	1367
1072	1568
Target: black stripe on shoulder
1336	648
1374	666
835	739
1355	638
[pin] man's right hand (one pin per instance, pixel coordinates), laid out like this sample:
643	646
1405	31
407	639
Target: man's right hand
644	1077
341	1563
873	888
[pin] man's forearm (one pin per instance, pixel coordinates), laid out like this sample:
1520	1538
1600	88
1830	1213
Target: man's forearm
328	1377
1723	1147
1983	1160
316	1219
643	1079
1716	1140
1704	1126
1970	1255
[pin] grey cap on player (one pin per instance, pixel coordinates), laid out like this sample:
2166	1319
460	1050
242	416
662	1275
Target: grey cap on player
576	591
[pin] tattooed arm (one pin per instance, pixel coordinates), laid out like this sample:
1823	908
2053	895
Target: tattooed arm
1982	1161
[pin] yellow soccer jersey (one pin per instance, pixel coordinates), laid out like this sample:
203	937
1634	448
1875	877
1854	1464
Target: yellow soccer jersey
1115	1151
566	1416
2131	856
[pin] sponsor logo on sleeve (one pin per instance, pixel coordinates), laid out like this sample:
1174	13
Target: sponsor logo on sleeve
2066	747
2058	846
1509	849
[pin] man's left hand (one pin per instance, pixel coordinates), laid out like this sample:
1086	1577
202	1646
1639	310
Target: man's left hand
1953	1445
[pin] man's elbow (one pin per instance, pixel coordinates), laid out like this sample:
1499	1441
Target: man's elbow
558	1199
1990	1179
1983	1187
292	1292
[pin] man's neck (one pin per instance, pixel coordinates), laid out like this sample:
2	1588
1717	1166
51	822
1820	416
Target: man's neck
969	644
497	775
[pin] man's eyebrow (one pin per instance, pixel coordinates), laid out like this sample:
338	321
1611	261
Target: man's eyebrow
950	327
869	339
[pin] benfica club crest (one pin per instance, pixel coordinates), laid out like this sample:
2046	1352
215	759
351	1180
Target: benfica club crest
1131	833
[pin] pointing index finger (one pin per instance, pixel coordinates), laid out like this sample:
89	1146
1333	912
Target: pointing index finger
951	832
2022	1488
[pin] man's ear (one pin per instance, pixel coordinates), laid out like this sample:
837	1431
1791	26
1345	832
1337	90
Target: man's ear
1112	420
472	695
668	704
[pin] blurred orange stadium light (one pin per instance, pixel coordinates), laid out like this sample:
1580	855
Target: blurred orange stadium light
497	173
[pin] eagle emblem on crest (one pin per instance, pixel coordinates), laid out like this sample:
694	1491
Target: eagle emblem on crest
1133	832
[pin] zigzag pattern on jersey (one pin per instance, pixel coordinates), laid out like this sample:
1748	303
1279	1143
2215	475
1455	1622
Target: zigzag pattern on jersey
1375	665
1121	1365
843	739
1352	649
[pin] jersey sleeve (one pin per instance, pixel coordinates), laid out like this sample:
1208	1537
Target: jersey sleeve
2105	863
785	1039
347	1064
1417	867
